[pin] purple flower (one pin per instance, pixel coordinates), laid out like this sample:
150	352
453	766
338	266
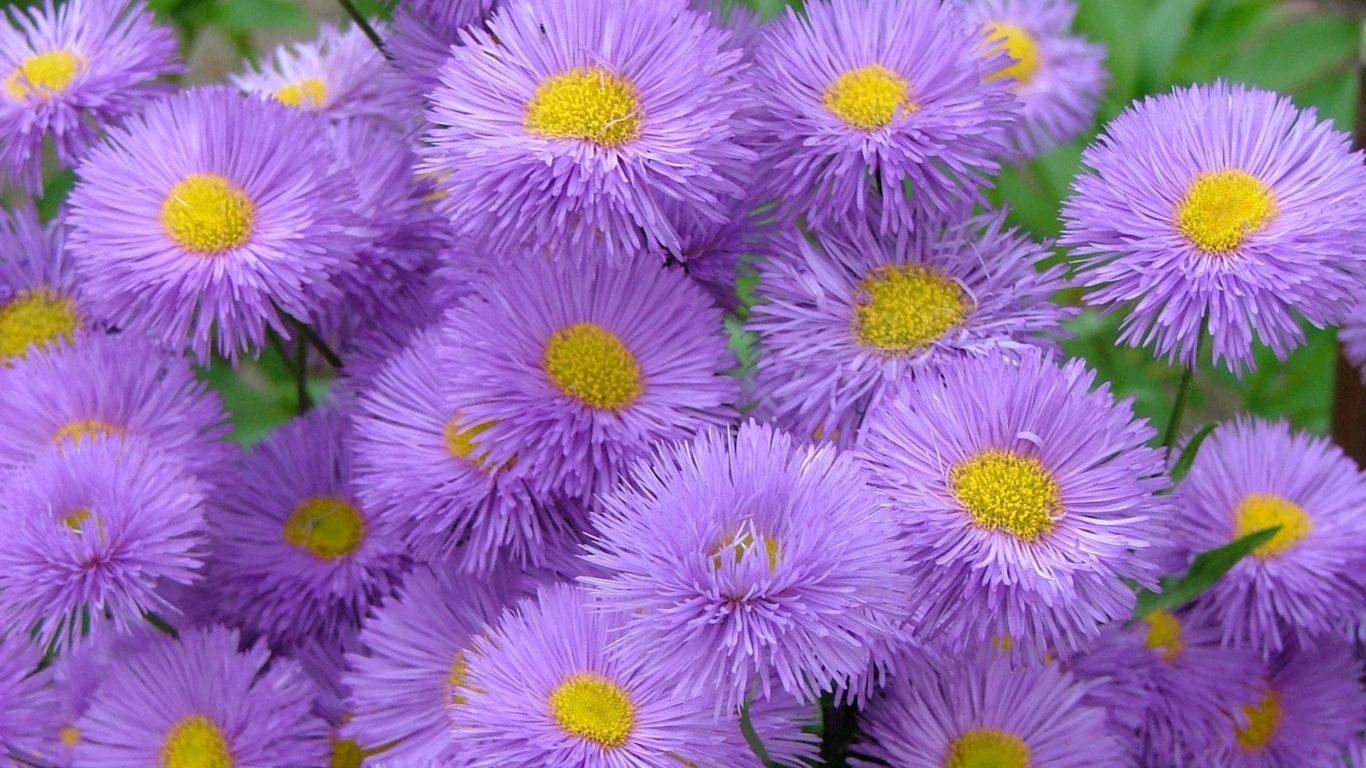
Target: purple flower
847	314
867	95
1310	578
80	671
1223	208
1352	335
27	701
199	702
744	558
67	72
423	33
41	303
209	218
579	126
1026	497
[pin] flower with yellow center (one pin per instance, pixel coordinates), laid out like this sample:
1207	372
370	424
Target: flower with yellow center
593	708
869	98
462	442
1022	49
1264	720
39	317
307	94
207	214
1258	512
592	364
196	742
43	75
1004	491
745	546
908	308
1164	635
1223	208
328	527
988	748
588	104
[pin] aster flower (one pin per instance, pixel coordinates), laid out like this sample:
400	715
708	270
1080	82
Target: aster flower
1027	499
211	217
549	687
295	557
115	388
738	558
199	702
879	94
979	712
1310	578
26	699
1057	76
92	528
339	75
40	299
580	367
68	71
424	32
580	125
1253	221
848	314
78	672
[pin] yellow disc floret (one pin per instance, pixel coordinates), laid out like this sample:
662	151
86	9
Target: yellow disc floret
594	708
86	429
462	443
457	680
988	748
1164	635
1257	512
309	94
1003	491
869	98
43	75
1222	208
39	317
907	308
1020	46
1264	720
208	214
326	526
592	364
589	104
196	742
744	546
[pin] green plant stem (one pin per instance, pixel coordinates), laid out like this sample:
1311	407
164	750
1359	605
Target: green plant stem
301	376
756	744
330	355
364	25
1183	392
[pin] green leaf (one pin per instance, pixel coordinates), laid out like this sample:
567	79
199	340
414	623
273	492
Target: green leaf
246	16
1187	457
1207	569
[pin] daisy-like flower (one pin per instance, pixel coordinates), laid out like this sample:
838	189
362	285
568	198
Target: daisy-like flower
879	94
78	672
424	32
1222	208
745	558
848	314
581	366
1057	76
113	388
27	697
198	702
1027	499
581	125
295	557
340	75
414	669
91	530
68	71
1309	708
40	299
548	686
980	712
209	218
1310	577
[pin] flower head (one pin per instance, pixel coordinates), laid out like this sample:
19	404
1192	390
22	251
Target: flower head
27	698
423	33
41	303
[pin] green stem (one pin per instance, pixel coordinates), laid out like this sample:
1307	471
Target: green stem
756	744
330	355
1183	392
164	626
301	376
364	25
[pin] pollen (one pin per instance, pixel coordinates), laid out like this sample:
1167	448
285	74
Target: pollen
462	444
589	104
1003	491
196	742
457	680
594	708
328	527
1264	720
70	736
86	429
38	317
869	98
988	748
1021	47
592	364
207	214
907	308
43	75
1164	635
1222	208
307	94
1258	512
745	546
77	521
346	753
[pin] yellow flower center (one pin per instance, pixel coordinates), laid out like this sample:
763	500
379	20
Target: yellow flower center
1258	512
346	753
70	736
79	520
908	308
43	75
309	94
592	707
458	680
86	429
208	214
1164	635
743	547
869	98
1003	491
988	748
590	363
1264	720
1222	208
589	104
39	317
196	742
1020	46
326	526
462	443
